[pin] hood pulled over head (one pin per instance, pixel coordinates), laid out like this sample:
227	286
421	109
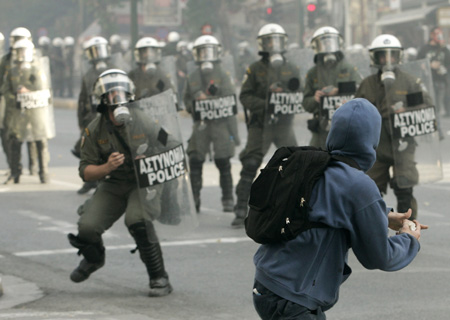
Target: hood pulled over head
355	132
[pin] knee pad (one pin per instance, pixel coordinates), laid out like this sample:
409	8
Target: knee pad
93	252
223	164
250	166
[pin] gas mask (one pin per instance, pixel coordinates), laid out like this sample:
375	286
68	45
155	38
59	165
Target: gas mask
122	114
387	75
206	67
329	59
100	65
276	60
150	68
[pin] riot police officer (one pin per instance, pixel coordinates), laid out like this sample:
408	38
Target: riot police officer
69	52
323	79
148	76
27	93
217	127
97	52
106	156
5	65
44	44
387	90
270	75
57	66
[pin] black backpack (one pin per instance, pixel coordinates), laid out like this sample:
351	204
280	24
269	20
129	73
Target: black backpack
279	197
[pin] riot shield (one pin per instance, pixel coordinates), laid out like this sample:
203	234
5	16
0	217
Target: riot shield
161	167
2	111
330	103
303	59
361	60
118	60
415	139
168	65
37	120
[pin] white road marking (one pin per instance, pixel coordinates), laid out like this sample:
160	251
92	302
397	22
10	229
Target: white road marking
43	315
132	246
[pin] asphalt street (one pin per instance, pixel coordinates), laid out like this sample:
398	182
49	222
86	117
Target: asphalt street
210	267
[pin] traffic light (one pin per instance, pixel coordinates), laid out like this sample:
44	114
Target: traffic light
311	13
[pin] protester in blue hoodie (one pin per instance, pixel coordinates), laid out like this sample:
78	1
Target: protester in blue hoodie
300	279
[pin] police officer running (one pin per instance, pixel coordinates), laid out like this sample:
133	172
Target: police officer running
106	156
322	80
387	90
272	74
210	98
98	53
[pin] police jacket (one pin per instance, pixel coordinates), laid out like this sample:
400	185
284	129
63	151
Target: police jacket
148	84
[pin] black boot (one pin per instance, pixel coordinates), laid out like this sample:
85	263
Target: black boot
94	258
226	184
151	255
196	167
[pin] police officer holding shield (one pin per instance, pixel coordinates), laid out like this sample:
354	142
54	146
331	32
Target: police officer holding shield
26	89
269	76
323	80
210	98
107	156
387	90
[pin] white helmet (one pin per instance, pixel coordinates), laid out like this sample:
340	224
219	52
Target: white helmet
44	41
23	51
2	37
385	49
326	40
272	38
17	34
181	45
147	50
206	49
113	87
115	39
69	41
96	48
58	42
173	36
411	53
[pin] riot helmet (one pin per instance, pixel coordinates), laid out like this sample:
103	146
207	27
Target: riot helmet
385	53
58	42
113	89
44	42
182	47
23	51
206	51
17	34
147	50
272	40
173	36
327	44
69	41
115	42
385	50
96	49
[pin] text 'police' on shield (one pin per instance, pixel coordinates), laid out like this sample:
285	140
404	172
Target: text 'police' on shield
414	123
159	168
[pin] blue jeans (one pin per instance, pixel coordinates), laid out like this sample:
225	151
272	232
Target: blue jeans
272	307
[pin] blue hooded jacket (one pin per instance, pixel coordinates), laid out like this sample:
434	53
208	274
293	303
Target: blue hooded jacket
309	269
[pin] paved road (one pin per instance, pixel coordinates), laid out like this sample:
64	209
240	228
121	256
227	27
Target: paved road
211	268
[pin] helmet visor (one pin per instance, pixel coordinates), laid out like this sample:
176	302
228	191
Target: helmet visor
147	55
385	56
117	96
206	53
327	43
97	52
114	82
272	43
23	54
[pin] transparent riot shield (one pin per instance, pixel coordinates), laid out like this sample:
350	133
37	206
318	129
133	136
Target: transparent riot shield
413	122
36	104
303	59
118	60
2	111
330	103
161	166
361	60
169	66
